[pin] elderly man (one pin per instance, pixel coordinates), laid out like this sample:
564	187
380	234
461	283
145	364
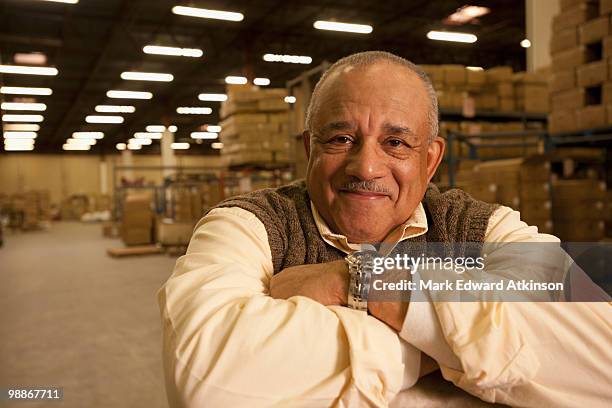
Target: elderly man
260	312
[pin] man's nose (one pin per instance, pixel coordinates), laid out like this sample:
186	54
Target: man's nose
365	162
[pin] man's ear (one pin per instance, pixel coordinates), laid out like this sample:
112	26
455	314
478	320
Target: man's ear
306	140
435	153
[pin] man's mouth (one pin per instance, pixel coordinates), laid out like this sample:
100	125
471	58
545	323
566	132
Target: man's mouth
363	195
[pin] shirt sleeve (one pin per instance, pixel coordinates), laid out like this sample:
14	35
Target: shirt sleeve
518	353
228	343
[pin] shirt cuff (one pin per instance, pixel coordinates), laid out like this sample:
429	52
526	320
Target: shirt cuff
422	329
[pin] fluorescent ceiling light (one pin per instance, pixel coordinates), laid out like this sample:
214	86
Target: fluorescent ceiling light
120	146
22	118
148	135
20	106
206	13
193	110
103	119
129	94
19	142
88	135
70	146
132	146
525	43
212	97
346	27
82	142
204	135
261	81
172	129
288	59
236	80
213	128
64	1
19	135
24	90
143	141
30	58
115	109
147	76
22	127
173	51
155	128
452	36
27	70
10	148
180	146
290	99
217	145
467	13
475	68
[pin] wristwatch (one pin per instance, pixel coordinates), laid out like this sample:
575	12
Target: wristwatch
360	265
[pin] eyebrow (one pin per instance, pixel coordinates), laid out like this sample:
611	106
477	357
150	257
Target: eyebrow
340	125
392	129
389	128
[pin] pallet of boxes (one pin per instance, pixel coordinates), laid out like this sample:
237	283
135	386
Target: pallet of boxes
255	127
581	48
580	209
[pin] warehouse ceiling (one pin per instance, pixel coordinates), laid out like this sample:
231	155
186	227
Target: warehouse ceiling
92	42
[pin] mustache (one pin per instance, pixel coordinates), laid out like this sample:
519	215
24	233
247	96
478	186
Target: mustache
367	186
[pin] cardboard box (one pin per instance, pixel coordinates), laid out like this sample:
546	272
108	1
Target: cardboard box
570	58
499	74
532	98
583	231
174	233
567	210
579	190
569	4
605	7
594	30
434	72
476	78
563	80
562	121
594	73
454	74
536	210
538	191
568	100
607	47
136	236
591	117
606	93
575	16
564	39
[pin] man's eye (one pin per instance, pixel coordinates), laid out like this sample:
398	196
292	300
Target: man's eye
395	142
341	140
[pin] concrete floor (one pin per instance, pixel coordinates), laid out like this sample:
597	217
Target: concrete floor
71	316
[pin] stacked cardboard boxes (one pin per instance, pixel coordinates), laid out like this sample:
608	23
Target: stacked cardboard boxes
255	125
579	209
581	84
29	209
190	202
137	219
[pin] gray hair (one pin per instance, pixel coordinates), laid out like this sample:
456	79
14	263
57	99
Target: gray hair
366	58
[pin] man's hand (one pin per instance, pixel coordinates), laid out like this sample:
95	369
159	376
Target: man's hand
326	283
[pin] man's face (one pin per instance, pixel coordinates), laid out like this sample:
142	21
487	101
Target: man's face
369	157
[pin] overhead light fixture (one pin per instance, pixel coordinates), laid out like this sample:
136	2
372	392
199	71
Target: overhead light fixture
194	110
466	14
19	135
452	36
217	145
21	106
475	68
63	1
204	135
261	81
172	129
120	146
30	58
88	135
142	141
22	118
10	148
22	127
129	94
179	146
103	119
19	142
147	76
288	59
213	128
148	135
132	146
206	13
77	147
27	70
346	27
212	97
235	80
82	142
155	128
24	90
173	51
525	43
290	99
115	109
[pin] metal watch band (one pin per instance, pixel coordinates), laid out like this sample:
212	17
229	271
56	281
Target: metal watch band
360	266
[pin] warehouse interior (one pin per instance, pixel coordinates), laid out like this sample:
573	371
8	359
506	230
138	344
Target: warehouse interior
125	121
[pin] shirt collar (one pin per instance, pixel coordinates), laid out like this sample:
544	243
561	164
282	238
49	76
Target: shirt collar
415	225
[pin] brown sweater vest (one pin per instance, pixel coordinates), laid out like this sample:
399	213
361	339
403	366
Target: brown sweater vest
453	217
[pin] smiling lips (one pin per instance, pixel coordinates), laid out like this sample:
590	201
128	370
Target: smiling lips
363	195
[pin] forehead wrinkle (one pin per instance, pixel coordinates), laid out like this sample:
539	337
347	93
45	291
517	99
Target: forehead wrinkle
391	128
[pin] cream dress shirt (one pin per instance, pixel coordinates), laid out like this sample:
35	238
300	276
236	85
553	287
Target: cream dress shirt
227	343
